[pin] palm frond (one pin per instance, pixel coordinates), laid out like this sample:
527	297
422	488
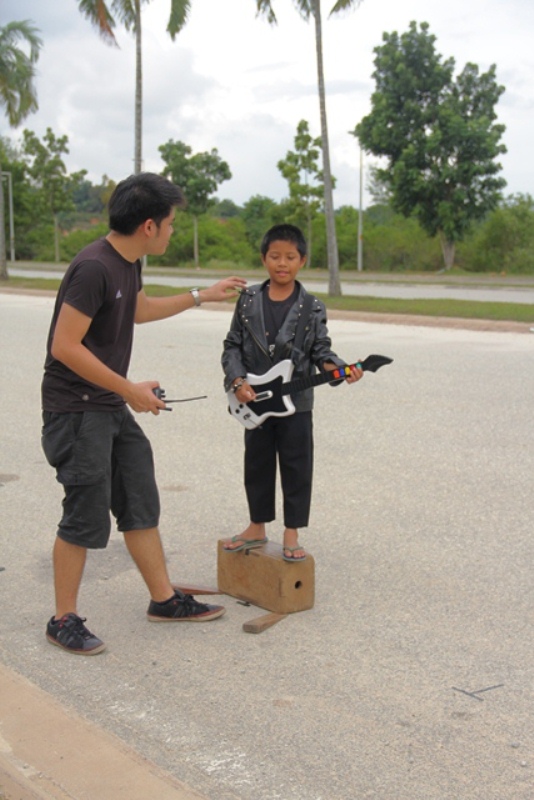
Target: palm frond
306	8
344	5
178	17
99	15
126	12
264	8
17	70
26	31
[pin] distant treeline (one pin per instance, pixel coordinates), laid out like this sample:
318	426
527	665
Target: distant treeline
230	234
503	242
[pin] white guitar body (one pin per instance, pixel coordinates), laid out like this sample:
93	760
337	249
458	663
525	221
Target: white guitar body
273	389
269	402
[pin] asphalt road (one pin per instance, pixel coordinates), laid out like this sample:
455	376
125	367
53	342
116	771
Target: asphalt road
412	678
497	293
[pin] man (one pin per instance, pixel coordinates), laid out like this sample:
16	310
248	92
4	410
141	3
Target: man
101	455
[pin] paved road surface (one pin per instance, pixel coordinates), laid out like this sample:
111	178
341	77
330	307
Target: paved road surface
497	294
412	677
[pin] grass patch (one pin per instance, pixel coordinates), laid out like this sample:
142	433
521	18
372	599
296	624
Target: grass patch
463	309
36	284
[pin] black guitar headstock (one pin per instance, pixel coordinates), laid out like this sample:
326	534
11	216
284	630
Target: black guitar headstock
373	363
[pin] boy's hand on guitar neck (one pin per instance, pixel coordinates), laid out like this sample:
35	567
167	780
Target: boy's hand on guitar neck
355	372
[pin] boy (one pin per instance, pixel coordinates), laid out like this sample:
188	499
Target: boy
262	334
101	455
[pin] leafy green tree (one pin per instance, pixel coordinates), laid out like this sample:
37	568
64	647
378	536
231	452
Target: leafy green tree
23	214
17	93
225	209
86	199
304	176
198	174
222	241
92	198
438	134
377	186
100	14
312	9
49	177
259	214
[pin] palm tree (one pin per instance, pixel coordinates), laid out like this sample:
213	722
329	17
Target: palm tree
100	14
312	8
17	93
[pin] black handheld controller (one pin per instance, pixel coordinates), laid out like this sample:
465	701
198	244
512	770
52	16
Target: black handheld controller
160	394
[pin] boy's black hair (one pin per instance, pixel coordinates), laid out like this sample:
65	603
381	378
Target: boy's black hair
284	233
141	197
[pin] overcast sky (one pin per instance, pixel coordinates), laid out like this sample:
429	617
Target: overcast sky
231	81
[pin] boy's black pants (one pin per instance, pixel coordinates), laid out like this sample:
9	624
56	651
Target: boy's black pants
291	440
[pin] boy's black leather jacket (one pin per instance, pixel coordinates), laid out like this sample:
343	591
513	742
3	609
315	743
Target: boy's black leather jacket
246	349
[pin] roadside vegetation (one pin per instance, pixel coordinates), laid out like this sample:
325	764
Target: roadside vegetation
462	309
501	243
438	196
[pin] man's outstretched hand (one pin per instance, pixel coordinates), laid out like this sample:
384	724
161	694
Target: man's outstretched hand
226	289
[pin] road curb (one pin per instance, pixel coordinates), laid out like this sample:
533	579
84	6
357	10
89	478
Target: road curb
48	752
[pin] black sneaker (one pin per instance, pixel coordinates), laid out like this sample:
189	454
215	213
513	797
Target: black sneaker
183	608
70	633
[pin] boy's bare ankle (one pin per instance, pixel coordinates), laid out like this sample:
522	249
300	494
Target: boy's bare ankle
256	530
291	537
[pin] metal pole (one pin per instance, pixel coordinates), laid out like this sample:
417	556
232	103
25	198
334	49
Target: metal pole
360	217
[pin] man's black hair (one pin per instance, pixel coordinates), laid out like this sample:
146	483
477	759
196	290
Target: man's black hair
284	233
141	197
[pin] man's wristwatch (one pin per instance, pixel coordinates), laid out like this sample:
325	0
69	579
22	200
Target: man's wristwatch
196	296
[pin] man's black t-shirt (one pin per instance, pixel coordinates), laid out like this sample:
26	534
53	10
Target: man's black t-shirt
101	284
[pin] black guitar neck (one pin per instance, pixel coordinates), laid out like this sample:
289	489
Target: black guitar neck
370	364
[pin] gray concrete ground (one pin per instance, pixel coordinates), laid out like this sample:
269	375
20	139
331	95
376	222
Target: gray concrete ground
411	678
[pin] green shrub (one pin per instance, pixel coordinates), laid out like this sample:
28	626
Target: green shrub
504	242
75	241
220	240
399	244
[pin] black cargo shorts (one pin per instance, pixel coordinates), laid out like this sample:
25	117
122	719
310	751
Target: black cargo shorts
105	463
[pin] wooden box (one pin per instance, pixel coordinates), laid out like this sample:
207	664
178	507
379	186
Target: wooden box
263	578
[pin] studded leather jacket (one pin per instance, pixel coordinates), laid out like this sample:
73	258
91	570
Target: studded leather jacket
246	348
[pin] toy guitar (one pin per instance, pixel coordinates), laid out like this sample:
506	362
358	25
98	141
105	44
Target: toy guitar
273	389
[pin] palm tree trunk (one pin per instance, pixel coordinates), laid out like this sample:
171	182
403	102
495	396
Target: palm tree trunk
3	259
334	285
138	156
